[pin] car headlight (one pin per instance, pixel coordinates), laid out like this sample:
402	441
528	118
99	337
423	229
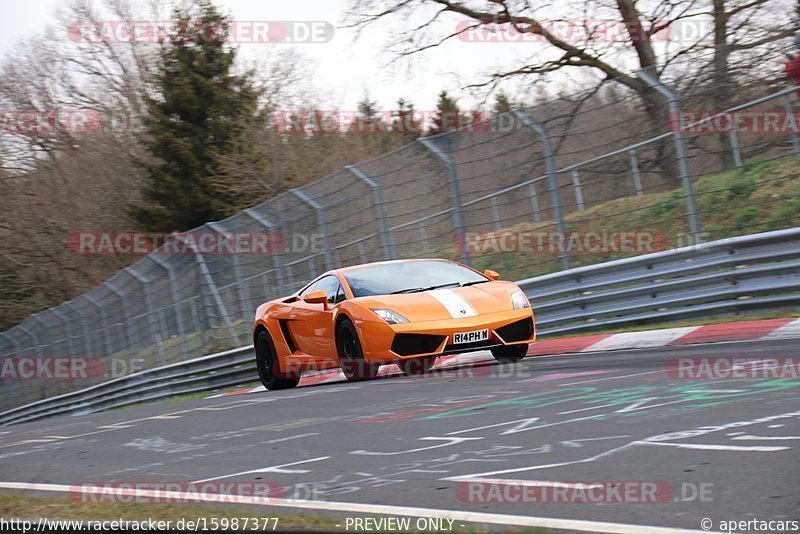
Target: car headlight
390	316
519	300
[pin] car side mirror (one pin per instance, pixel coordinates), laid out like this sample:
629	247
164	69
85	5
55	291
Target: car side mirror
491	275
317	297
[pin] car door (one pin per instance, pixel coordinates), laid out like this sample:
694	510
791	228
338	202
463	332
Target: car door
312	324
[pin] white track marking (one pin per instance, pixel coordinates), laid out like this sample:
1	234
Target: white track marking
532	483
361	508
294	437
273	469
706	447
534	467
639	340
608	378
768	438
450	441
456	305
789	330
528	421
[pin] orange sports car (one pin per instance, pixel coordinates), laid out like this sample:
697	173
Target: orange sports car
406	312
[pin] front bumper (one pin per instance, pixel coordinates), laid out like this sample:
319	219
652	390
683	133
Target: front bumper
380	344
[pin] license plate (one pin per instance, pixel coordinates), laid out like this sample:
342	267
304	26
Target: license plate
471	337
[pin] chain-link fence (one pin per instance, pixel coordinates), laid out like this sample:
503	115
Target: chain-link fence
582	179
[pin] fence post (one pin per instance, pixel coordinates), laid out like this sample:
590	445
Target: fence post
734	143
243	290
276	260
552	177
455	192
208	282
576	183
123	304
67	330
103	320
173	289
36	382
682	152
322	222
152	320
787	106
637	178
7	387
537	217
377	194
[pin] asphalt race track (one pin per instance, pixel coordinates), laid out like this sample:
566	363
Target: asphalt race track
456	440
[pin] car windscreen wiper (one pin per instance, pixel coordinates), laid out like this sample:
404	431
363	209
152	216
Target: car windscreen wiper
421	289
465	284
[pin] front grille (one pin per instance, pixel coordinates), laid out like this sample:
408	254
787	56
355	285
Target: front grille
408	344
517	331
466	347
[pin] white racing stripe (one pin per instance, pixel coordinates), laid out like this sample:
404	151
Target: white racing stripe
364	508
456	305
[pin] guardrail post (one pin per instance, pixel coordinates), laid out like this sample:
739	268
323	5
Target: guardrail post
637	178
787	106
276	259
682	152
455	192
322	222
152	319
552	177
123	306
211	287
173	289
377	193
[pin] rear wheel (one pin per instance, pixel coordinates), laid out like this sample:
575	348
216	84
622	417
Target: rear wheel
269	370
510	354
351	357
416	366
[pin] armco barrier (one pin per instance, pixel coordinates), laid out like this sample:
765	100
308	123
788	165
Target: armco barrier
759	272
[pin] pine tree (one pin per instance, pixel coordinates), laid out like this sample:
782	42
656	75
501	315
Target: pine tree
448	116
404	122
195	118
502	104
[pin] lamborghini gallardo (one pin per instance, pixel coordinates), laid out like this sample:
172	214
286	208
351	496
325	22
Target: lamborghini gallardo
406	312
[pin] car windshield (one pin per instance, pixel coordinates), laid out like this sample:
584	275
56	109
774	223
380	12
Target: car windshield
409	277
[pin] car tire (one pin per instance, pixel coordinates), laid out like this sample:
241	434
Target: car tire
351	356
510	354
269	370
416	366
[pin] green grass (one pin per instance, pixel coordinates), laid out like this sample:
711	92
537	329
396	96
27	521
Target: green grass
757	197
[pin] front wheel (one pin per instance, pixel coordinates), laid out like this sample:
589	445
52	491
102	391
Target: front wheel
351	357
269	370
416	366
510	354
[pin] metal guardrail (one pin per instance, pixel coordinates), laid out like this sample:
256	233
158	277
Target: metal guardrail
741	274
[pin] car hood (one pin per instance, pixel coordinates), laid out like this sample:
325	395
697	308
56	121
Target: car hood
448	303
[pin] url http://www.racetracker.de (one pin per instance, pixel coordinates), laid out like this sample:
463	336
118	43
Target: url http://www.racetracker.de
200	524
